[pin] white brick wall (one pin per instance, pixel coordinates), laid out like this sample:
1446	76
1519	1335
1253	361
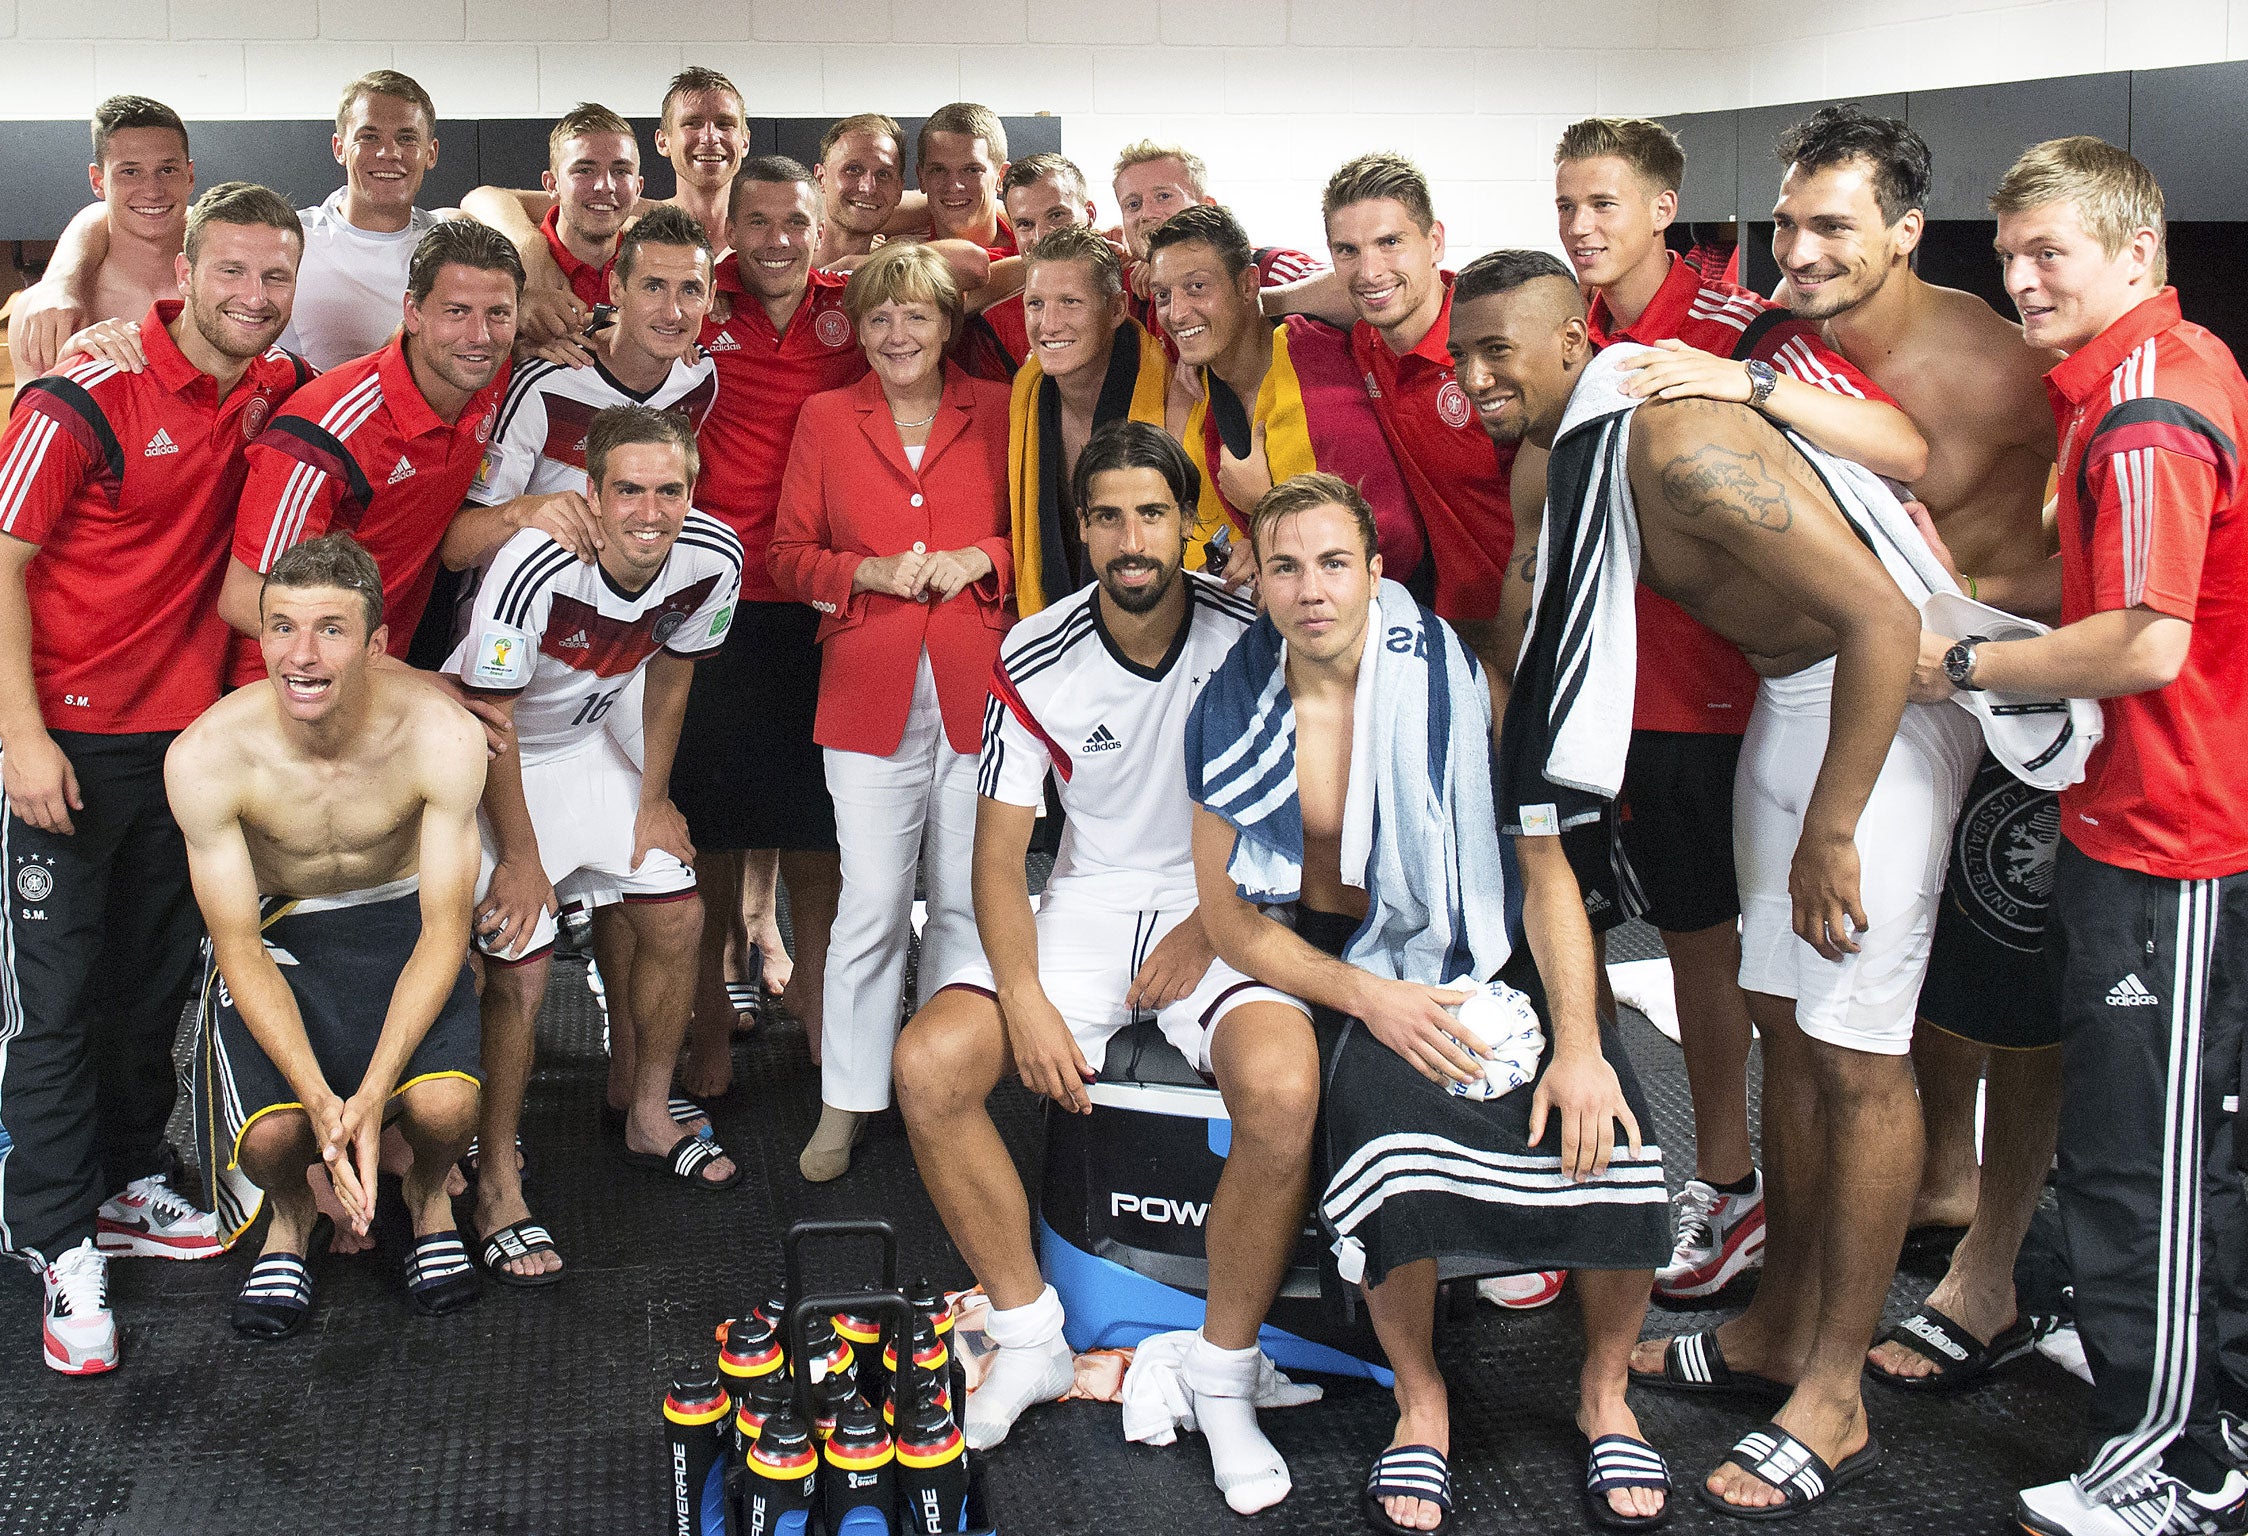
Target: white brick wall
1273	93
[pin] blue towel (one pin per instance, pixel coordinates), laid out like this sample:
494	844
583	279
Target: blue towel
1419	832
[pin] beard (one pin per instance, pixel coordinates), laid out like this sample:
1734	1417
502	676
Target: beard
1142	599
226	339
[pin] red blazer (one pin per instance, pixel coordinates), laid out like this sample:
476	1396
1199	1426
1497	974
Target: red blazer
850	495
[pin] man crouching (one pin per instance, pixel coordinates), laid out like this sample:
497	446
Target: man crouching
315	805
1345	851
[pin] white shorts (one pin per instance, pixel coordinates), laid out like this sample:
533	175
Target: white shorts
1866	1001
1087	957
583	808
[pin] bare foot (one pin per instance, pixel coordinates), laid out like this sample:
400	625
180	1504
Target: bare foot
693	1127
346	1239
664	1140
1835	1430
1609	1415
1430	1426
1741	1352
707	1069
495	1210
1948	1205
773	960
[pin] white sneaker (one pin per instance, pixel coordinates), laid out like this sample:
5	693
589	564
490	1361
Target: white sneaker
1720	1236
2153	1504
1523	1293
150	1220
78	1328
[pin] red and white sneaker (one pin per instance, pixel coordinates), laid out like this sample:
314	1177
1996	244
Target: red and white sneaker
1720	1237
151	1221
1523	1293
78	1328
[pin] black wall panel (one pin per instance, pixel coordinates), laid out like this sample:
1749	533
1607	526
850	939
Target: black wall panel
1976	132
43	164
1757	187
2188	125
1712	142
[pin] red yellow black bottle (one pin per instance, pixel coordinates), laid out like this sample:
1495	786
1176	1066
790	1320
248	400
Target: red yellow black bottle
932	1476
780	1480
695	1414
857	1485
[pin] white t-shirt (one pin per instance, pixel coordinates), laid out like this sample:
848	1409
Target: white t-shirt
1114	733
538	443
351	284
567	640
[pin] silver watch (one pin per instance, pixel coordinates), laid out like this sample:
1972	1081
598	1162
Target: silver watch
1763	378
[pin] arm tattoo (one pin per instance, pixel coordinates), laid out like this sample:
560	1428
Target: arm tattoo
1527	566
1718	479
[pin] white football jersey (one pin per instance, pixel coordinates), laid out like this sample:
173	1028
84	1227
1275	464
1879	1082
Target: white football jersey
558	633
351	284
1063	696
538	444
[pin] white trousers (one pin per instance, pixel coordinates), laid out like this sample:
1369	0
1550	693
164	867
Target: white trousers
884	807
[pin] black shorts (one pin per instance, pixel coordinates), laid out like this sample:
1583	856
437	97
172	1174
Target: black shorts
1678	827
1593	858
748	774
1987	977
341	956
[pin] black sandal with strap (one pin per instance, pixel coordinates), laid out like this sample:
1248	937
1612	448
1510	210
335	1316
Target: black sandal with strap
277	1297
1619	1461
1692	1362
518	1240
439	1278
1409	1472
1772	1455
686	1161
1960	1360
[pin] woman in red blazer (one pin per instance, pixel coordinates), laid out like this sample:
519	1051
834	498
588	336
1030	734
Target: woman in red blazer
893	524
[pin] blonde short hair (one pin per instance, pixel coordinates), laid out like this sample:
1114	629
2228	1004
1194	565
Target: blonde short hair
1145	150
2114	194
905	273
1640	142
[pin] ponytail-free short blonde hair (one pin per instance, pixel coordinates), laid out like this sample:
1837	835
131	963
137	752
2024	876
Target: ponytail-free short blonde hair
2114	194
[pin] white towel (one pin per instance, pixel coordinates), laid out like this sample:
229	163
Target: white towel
1157	1405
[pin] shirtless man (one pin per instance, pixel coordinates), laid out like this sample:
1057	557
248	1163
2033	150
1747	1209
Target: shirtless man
1847	222
330	817
117	257
1845	803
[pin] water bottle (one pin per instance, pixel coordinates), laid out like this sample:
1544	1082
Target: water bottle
760	1400
858	1483
931	1360
928	1391
932	1474
924	1297
780	1478
695	1413
748	1350
865	1338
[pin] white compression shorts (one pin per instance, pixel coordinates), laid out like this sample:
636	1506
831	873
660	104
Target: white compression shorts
1864	1001
1087	957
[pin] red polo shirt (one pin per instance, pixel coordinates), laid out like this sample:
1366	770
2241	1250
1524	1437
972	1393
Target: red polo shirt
1456	474
2153	513
590	283
358	449
764	378
1689	678
127	483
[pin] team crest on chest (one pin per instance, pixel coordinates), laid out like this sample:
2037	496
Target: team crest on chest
832	328
254	415
1451	404
484	429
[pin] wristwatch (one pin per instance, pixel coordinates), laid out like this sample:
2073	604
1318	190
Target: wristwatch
1959	664
1763	378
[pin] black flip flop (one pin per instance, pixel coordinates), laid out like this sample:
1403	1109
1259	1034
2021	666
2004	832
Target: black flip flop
439	1278
1408	1472
1772	1455
518	1240
1619	1461
688	1156
276	1298
1692	1362
1961	1360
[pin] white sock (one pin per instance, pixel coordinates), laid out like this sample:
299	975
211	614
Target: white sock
1250	1473
1032	1365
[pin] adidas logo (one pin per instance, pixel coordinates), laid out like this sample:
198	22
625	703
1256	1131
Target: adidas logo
404	471
1102	741
159	445
723	342
577	642
1595	902
2131	992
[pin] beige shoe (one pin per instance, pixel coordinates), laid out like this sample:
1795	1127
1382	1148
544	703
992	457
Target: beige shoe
828	1154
